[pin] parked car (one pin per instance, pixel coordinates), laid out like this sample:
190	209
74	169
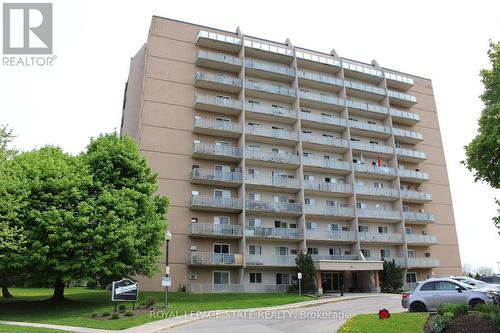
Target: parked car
476	283
491	279
427	295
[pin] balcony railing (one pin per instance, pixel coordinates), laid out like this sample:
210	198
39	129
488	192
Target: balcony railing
237	288
269	67
423	262
216	175
411	153
270	89
329	210
273	207
407	134
381	237
414	117
325	140
404	173
230	81
376	148
258	45
420	239
418	217
217	125
271	157
370	127
365	87
348	236
216	202
334	257
219	37
219	57
332	100
373	169
416	195
261	260
373	191
367	107
379	214
327	187
272	133
330	120
318	58
328	79
210	229
218	101
221	150
399	78
362	69
401	96
326	163
272	181
273	232
270	110
210	258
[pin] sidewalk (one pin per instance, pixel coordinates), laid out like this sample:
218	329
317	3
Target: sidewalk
188	318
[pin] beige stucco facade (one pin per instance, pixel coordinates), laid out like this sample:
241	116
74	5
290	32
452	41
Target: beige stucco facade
268	149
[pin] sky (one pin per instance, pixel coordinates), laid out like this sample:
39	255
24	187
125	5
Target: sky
81	95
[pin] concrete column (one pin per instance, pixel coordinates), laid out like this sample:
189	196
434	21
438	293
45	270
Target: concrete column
377	281
318	282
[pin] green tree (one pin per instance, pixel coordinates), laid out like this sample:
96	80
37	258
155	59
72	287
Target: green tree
305	265
391	279
483	152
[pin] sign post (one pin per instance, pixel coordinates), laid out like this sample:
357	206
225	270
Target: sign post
299	276
125	290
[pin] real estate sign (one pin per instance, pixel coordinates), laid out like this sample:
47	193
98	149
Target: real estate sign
125	290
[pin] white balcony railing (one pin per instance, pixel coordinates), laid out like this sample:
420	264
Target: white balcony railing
328	79
264	260
269	67
219	37
381	237
347	236
221	150
376	148
373	191
326	163
367	107
423	262
410	153
237	288
379	214
329	210
405	115
365	87
418	217
215	202
214	124
420	239
330	120
332	100
416	195
362	69
270	110
219	57
265	232
270	88
210	258
216	175
272	133
218	101
273	207
373	169
335	257
370	127
399	78
256	154
324	140
401	96
413	174
222	79
210	229
407	133
327	187
272	181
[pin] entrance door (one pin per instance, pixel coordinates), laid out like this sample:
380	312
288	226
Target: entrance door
332	281
221	254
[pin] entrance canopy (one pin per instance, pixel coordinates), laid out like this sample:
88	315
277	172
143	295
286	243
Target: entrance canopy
348	265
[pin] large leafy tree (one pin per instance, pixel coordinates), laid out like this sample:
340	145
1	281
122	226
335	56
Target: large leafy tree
391	279
483	152
305	265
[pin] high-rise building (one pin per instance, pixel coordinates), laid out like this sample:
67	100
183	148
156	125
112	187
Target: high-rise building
267	149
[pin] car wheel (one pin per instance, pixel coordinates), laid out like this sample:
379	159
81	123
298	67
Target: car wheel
417	307
475	302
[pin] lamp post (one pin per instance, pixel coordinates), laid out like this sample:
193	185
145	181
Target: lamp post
168	237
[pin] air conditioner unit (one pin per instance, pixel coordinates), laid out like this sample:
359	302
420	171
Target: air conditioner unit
193	276
427	254
193	248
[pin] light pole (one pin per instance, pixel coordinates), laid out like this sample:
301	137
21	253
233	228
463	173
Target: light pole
168	237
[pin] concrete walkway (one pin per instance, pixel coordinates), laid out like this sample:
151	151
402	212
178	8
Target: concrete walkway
164	324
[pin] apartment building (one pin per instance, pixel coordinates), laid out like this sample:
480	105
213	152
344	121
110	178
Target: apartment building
267	149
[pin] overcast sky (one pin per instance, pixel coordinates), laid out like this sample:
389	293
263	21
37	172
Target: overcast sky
82	94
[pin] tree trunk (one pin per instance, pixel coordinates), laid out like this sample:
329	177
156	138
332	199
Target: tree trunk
6	293
58	295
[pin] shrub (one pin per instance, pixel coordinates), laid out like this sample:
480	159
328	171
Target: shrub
454	309
121	307
94	314
92	284
129	313
438	323
487	308
150	302
391	279
106	314
115	315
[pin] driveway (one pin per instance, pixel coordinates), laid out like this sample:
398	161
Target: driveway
316	319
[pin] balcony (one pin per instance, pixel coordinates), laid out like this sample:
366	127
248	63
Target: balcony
214	259
373	171
372	149
319	81
324	142
366	109
423	240
217	104
407	136
379	215
269	71
422	263
412	156
271	135
413	176
322	122
316	257
321	165
320	101
237	288
218	41
329	211
364	91
273	208
330	235
401	99
268	51
398	81
217	152
270	92
283	183
375	193
362	72
416	196
216	177
273	233
418	218
218	61
385	238
261	260
219	204
320	62
225	129
219	230
283	159
372	130
270	113
344	190
217	82
404	117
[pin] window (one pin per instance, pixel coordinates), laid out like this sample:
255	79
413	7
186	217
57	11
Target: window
378	185
221	277
309	177
255	277
194	220
309	201
361	205
312	250
332	203
406	208
254	196
411	277
282	278
334	227
374	142
362	228
221	220
305	154
380	206
280	224
408	231
411	253
429	286
311	226
252	222
366	253
255	250
195	192
382	229
335	252
385	253
281	251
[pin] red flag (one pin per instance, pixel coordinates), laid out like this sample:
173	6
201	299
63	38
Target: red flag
379	160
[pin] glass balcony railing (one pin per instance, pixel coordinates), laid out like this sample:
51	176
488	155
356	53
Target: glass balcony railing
365	88
370	127
416	195
418	217
381	237
210	258
217	125
218	101
220	150
210	229
272	133
221	79
422	262
219	37
268	88
273	207
261	260
327	187
326	163
404	173
407	133
379	214
377	192
255	154
219	57
325	99
216	202
347	236
317	58
401	96
373	169
330	120
411	153
324	140
362	69
270	110
269	67
268	48
327	79
272	181
237	288
376	148
273	232
420	239
404	115
329	210
399	78
216	175
367	107
334	257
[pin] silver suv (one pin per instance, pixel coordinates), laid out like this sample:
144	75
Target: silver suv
428	294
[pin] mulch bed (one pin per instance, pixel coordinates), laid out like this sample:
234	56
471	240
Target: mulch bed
138	311
469	323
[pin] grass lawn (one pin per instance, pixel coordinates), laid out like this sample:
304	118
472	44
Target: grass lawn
397	323
28	305
20	329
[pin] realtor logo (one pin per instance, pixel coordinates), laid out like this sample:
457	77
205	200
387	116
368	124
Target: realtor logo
27	28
